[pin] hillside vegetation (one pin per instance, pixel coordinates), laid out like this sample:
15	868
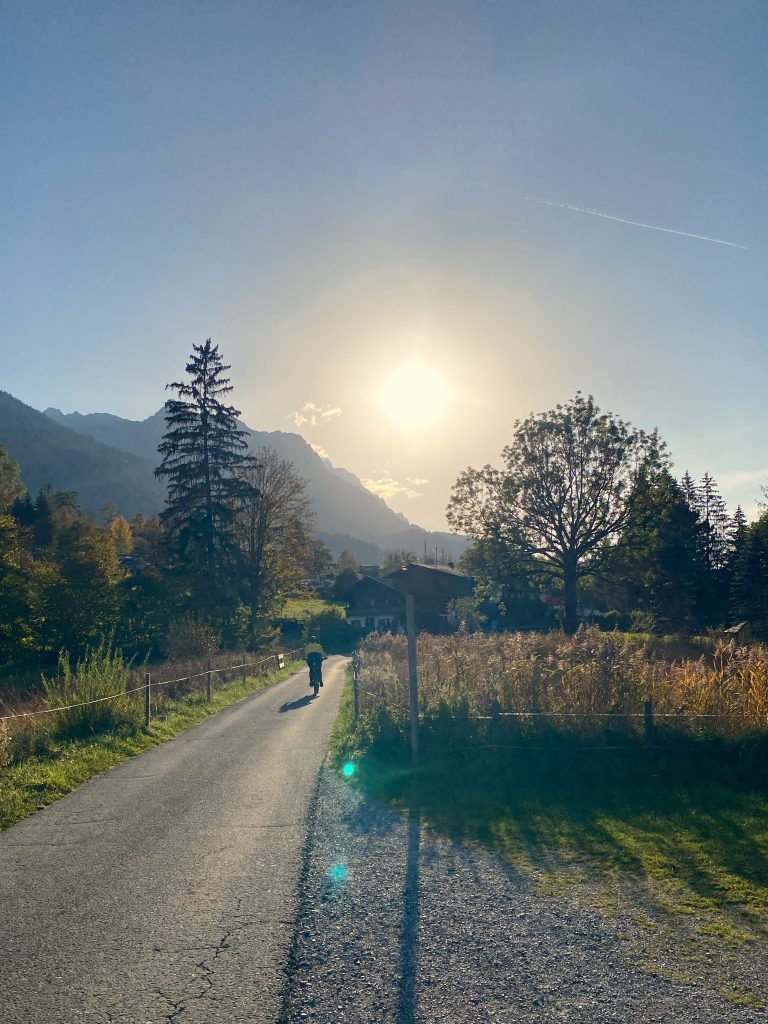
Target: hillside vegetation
51	454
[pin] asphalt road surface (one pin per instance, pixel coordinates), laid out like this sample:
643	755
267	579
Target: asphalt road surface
166	888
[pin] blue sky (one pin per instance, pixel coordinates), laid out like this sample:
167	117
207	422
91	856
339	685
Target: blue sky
333	192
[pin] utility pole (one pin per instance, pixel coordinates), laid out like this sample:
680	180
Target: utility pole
413	679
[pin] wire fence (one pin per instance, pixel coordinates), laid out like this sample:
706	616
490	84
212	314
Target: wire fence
586	693
150	686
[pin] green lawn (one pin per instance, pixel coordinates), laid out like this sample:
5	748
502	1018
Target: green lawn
677	842
37	781
306	607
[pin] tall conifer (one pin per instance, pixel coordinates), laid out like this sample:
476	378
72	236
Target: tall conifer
204	452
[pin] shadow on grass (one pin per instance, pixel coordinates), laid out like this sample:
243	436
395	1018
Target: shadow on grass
694	820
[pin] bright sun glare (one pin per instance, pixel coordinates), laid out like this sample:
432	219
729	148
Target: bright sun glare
414	395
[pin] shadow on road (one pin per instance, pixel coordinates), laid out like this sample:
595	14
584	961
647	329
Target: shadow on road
294	705
409	943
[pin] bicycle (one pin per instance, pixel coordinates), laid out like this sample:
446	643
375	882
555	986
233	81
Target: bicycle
315	662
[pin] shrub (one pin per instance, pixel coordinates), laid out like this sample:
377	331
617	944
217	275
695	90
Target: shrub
331	630
191	637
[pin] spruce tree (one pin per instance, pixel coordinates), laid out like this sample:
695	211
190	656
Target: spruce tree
23	510
738	529
44	528
713	541
204	454
690	492
656	563
714	517
749	589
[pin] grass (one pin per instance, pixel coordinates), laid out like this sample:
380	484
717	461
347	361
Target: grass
673	845
69	761
308	607
580	686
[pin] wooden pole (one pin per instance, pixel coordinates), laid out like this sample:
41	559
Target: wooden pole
208	682
244	671
147	701
650	734
413	679
356	683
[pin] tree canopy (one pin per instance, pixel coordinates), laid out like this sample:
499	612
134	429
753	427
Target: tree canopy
564	492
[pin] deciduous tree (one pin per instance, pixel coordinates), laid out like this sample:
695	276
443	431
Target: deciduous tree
564	492
274	531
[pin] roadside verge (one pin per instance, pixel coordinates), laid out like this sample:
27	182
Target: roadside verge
41	779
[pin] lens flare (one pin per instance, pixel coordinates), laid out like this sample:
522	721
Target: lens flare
337	873
348	769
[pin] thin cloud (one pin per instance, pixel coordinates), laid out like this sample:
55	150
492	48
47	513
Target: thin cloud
311	414
387	487
574	208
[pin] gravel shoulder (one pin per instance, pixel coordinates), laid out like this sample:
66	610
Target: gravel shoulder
400	925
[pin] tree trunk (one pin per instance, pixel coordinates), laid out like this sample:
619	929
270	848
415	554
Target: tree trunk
570	579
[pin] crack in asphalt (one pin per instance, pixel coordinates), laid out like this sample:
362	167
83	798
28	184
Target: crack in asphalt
206	966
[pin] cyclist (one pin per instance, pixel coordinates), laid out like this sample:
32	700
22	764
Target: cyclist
315	656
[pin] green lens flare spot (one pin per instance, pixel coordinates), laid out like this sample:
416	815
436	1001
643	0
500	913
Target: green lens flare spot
348	769
337	873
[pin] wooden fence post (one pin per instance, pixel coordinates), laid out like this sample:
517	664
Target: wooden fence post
356	682
147	701
208	682
495	725
244	671
650	733
413	679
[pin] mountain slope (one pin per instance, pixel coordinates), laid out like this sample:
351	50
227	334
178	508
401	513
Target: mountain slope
52	453
347	514
342	504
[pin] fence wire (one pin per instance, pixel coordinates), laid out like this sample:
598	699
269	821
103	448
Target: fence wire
143	687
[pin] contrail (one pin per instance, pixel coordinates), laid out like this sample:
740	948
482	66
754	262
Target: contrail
593	213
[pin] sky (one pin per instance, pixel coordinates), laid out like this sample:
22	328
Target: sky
379	211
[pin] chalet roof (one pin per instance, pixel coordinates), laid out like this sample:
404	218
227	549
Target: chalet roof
447	569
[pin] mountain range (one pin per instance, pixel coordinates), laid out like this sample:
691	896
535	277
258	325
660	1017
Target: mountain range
107	458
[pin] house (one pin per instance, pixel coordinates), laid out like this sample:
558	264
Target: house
378	601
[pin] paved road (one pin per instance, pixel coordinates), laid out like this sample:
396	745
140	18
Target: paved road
165	889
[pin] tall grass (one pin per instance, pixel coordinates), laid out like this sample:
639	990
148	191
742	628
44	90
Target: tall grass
106	673
585	685
101	673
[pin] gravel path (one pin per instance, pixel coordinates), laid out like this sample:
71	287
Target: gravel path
398	925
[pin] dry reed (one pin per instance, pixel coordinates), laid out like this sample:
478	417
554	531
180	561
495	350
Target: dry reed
584	685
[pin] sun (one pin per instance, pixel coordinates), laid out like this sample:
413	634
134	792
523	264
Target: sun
414	395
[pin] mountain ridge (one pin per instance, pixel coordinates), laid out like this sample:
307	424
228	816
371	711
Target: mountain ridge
51	453
344	507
